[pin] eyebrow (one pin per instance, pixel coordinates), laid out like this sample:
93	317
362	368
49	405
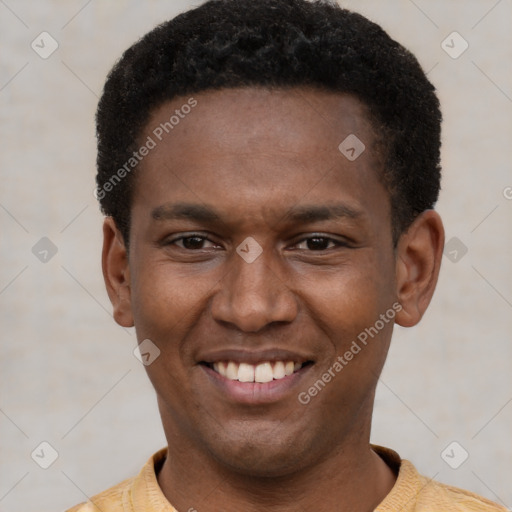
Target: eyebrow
185	211
298	214
315	213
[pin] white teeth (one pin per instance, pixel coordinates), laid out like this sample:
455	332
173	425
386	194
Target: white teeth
262	372
246	372
231	371
289	367
279	370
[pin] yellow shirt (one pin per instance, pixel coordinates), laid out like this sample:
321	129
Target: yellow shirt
411	492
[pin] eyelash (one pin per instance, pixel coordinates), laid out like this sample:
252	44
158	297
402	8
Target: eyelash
337	243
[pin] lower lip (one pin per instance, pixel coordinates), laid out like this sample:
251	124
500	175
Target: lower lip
255	393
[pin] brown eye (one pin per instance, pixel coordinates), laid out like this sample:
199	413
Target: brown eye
190	243
193	242
319	243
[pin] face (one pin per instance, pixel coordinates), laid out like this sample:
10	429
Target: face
258	254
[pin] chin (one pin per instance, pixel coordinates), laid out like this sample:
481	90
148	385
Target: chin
262	453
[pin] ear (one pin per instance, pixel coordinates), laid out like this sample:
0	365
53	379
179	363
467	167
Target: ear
116	273
418	260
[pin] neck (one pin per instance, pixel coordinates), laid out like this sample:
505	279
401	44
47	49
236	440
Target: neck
352	477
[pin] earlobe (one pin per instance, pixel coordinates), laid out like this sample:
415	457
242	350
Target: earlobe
418	260
116	273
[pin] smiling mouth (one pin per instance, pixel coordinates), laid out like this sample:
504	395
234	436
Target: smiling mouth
265	371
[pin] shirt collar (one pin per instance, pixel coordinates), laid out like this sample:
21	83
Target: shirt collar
145	494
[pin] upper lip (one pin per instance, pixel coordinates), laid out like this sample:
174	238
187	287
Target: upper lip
253	356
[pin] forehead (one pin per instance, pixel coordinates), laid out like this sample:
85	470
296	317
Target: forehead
301	118
255	145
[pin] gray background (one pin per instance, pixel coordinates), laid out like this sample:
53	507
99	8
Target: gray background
68	374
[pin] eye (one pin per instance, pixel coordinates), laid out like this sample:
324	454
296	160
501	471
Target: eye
190	242
320	243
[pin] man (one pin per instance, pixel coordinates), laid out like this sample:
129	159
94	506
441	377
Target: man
268	170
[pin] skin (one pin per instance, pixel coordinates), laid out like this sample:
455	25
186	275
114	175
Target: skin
253	156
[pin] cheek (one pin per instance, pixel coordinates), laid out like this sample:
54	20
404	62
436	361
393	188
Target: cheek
166	308
348	309
163	301
353	298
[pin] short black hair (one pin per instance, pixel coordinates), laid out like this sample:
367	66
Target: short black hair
275	44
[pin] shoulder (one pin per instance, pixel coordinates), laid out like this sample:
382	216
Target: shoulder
413	492
436	494
140	492
110	500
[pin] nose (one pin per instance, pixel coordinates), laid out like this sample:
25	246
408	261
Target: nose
254	295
